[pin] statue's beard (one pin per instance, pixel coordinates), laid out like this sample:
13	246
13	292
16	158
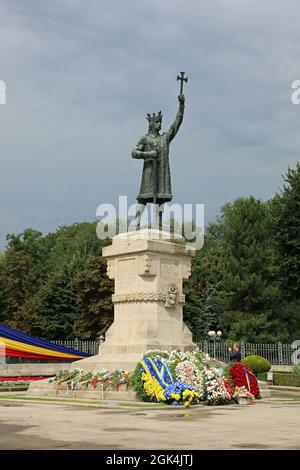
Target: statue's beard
154	129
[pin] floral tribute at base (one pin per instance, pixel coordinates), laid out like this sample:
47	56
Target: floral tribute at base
182	378
243	376
79	379
241	393
174	378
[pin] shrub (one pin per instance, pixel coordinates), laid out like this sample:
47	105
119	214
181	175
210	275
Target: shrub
257	364
296	369
262	376
289	380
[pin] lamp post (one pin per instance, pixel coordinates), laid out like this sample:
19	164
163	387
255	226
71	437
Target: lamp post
101	341
215	336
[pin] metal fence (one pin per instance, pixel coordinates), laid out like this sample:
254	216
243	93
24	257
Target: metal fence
276	353
90	347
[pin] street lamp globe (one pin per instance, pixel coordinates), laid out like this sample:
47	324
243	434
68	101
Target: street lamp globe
219	333
212	333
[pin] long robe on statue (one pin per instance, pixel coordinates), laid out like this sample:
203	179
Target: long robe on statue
161	144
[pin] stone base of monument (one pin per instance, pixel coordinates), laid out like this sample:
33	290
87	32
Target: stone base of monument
48	388
264	390
148	267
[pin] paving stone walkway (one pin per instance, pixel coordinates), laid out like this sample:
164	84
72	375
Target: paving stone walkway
37	425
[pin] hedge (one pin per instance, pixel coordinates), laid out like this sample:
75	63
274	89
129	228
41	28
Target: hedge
290	380
262	376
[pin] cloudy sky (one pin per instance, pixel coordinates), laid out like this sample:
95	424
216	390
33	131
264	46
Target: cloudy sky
81	76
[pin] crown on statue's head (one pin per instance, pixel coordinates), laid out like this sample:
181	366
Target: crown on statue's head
152	118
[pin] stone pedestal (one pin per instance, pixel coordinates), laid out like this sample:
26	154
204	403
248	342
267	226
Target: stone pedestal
148	267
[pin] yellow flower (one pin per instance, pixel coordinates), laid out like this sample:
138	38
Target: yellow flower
176	396
152	388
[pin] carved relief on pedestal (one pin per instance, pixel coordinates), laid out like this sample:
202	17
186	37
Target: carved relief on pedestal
147	266
110	269
172	296
186	269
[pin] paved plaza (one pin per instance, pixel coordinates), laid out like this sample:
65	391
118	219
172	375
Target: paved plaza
37	425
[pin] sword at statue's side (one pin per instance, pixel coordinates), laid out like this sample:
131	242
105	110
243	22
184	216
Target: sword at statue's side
155	185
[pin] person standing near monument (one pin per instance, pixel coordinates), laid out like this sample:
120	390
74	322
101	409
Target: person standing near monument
153	148
235	355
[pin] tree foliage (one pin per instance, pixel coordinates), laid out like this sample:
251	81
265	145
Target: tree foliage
55	286
94	290
286	217
245	280
252	258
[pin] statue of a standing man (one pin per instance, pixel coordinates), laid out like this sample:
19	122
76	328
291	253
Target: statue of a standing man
153	148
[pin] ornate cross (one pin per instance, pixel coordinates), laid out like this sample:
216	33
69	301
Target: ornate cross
182	79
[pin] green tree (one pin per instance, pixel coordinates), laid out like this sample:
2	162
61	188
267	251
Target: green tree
18	289
286	229
254	328
31	243
239	260
94	291
55	305
205	300
71	242
38	278
250	269
289	318
3	292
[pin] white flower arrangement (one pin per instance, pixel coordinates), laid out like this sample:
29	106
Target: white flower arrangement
216	390
176	356
188	372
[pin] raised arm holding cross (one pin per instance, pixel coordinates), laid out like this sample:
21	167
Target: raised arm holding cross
182	79
153	148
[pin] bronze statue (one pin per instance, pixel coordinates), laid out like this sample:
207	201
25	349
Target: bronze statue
153	148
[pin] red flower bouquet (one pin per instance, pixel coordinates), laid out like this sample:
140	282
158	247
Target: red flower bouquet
242	376
229	388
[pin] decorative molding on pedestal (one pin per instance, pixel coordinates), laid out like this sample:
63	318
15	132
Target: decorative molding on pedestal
138	297
171	299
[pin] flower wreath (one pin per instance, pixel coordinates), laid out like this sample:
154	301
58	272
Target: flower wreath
243	376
